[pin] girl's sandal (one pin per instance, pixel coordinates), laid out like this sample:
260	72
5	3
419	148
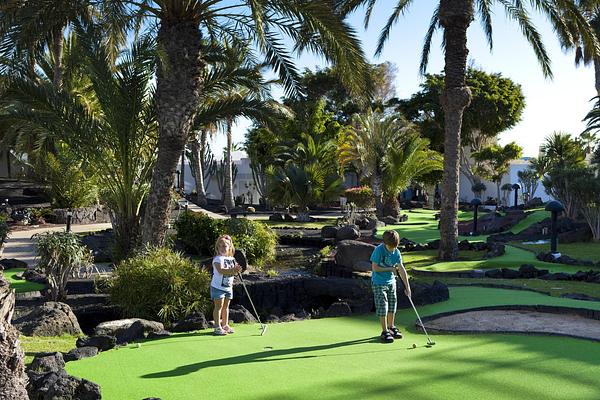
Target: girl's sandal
228	329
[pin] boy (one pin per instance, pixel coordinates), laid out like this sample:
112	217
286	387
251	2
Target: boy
383	261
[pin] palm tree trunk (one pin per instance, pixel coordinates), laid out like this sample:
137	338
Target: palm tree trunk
376	186
229	203
597	75
391	206
196	165
177	96
455	17
57	51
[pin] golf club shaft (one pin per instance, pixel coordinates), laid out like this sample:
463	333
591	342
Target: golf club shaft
249	298
421	322
415	309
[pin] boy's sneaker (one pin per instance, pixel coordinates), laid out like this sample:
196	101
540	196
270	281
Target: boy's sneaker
219	332
228	329
396	332
386	337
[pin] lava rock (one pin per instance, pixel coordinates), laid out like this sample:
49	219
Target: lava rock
128	330
159	335
464	245
47	362
348	232
80	352
10	263
59	385
49	319
33	275
493	273
102	342
338	309
350	251
389	220
239	314
329	232
494	250
193	322
508	273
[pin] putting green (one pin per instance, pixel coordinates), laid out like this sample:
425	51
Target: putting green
21	285
512	258
341	358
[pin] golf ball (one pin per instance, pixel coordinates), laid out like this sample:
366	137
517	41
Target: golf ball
414	346
139	345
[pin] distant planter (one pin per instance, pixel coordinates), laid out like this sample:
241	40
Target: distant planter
84	215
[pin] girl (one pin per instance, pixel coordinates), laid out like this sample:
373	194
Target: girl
221	286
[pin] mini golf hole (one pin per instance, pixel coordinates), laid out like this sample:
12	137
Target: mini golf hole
267	348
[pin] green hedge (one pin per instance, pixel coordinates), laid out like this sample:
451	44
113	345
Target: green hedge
198	232
160	284
361	196
3	229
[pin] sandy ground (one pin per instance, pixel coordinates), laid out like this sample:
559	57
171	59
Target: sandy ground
518	321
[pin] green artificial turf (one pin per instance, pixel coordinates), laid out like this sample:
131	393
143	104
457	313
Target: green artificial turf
513	258
581	251
534	217
21	285
341	358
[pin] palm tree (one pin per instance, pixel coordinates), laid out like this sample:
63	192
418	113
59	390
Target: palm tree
454	17
113	128
562	151
182	25
407	162
369	145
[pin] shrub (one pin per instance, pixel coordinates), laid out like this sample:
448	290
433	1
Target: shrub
198	232
159	284
59	254
362	196
255	238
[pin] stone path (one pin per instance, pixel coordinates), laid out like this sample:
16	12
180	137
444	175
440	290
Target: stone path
20	245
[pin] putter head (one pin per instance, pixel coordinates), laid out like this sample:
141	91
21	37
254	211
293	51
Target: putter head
263	329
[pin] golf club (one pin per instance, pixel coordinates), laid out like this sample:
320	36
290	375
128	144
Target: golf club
263	327
429	341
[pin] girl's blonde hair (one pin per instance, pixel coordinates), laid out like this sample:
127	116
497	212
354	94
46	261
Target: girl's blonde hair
225	238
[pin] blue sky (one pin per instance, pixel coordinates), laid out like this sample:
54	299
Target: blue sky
551	105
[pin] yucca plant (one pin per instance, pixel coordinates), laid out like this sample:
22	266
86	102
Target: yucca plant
60	254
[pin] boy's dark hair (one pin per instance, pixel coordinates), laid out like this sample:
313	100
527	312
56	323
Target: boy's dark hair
391	238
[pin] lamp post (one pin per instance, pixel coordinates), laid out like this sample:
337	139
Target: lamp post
516	188
554	207
475	203
69	218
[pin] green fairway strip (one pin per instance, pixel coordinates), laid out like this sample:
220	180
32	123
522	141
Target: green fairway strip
513	258
341	358
21	285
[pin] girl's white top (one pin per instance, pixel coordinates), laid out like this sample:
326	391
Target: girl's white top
220	281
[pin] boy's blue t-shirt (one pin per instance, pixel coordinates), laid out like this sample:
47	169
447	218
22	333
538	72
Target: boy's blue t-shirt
384	258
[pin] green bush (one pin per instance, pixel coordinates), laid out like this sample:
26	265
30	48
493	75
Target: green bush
361	196
60	254
198	232
255	238
159	284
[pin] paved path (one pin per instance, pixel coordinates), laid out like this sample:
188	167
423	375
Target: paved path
20	245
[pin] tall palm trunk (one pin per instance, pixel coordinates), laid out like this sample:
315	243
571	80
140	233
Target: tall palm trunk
455	17
57	52
597	75
177	95
197	153
377	193
229	203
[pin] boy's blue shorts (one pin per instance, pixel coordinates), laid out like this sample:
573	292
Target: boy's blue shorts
216	294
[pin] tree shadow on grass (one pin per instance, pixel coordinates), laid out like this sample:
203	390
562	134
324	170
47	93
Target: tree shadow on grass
263	356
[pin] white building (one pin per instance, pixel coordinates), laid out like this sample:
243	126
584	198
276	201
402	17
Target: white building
466	194
242	186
